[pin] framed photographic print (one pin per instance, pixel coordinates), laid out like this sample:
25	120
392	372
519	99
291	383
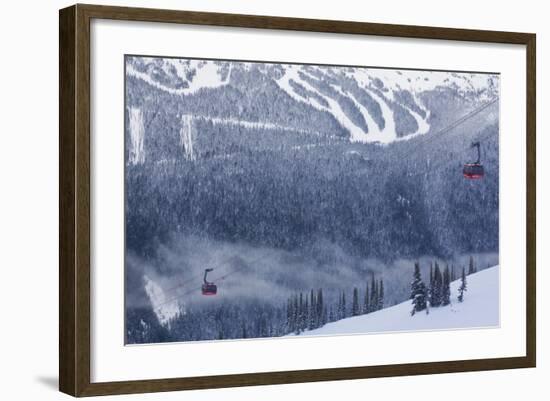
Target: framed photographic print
250	200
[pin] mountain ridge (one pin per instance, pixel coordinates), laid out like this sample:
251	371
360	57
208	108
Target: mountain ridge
368	105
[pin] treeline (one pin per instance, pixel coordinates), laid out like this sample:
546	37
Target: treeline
214	321
438	292
239	319
305	312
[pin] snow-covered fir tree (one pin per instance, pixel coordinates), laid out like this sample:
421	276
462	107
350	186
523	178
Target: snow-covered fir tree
355	303
299	314
418	291
436	287
321	317
366	302
471	266
344	309
431	276
312	311
446	289
380	295
463	286
373	294
305	313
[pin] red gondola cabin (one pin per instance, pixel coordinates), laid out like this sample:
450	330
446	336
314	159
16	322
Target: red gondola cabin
208	288
473	171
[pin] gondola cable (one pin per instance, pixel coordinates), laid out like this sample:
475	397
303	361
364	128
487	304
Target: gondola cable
407	151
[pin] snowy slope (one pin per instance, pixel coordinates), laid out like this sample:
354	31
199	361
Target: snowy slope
418	81
137	133
479	309
291	73
161	303
372	104
192	74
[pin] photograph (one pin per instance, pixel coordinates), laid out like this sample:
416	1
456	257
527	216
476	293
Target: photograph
275	199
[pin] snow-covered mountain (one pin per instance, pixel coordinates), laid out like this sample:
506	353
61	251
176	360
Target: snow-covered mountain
479	309
368	104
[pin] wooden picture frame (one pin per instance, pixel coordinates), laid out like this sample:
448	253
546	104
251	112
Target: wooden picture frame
74	199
